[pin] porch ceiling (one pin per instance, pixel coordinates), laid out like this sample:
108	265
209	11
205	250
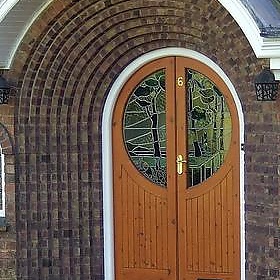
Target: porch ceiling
16	16
266	13
259	20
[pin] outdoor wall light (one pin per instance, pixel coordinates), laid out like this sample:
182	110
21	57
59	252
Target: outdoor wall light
266	86
5	89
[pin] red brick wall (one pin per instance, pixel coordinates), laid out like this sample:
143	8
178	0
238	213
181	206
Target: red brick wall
65	67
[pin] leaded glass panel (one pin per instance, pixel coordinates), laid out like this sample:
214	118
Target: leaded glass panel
144	128
209	127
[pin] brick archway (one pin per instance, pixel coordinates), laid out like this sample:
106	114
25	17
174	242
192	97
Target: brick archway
65	68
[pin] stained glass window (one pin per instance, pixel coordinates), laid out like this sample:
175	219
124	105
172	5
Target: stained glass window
145	128
209	127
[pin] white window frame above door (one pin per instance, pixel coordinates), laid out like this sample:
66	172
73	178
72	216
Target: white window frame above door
107	172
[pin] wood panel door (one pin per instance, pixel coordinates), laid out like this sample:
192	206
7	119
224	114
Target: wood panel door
176	174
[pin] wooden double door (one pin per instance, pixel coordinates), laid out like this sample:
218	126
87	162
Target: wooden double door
176	179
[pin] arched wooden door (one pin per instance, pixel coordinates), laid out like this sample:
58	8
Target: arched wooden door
176	175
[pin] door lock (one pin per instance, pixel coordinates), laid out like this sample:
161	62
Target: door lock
180	162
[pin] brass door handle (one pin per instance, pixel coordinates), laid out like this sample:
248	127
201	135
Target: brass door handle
180	162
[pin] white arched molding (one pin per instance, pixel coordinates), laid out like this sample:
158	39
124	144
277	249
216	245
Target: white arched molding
263	47
107	147
246	22
5	7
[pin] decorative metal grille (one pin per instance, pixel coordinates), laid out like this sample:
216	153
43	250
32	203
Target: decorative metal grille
4	96
266	91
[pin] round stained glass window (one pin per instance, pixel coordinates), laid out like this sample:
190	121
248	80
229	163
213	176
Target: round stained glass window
208	127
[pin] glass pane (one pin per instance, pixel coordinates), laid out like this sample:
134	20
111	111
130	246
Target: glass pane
144	128
209	127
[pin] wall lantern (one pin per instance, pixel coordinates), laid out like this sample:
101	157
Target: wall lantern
5	89
266	86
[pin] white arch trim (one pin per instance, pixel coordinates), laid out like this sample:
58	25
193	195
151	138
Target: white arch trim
107	148
5	7
263	47
246	22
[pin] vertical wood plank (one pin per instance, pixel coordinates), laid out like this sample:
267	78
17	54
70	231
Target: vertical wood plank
135	208
159	234
194	230
185	224
153	233
224	226
212	232
200	232
230	222
164	235
129	223
218	229
206	220
126	232
141	215
189	236
147	230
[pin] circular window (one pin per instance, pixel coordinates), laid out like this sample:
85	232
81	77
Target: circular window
208	127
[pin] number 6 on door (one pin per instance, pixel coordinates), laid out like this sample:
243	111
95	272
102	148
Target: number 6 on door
180	81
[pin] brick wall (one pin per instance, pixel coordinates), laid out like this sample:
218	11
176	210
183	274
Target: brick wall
262	190
65	67
8	229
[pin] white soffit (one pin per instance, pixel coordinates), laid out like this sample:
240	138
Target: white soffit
263	47
16	16
5	7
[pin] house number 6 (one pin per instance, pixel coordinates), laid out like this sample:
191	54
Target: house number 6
180	81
